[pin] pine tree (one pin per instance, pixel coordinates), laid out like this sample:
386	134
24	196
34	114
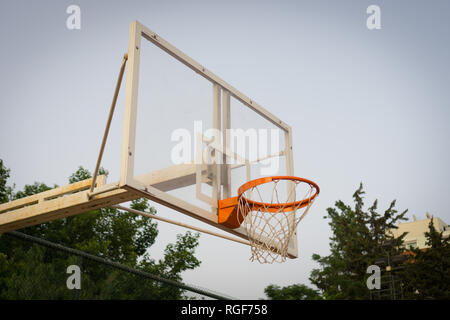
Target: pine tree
356	243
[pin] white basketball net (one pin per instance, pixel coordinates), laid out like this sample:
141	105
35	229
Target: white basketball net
269	227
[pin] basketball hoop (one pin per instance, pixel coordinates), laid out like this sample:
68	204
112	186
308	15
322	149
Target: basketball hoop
268	218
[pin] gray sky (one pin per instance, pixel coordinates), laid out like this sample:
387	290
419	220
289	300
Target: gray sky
365	105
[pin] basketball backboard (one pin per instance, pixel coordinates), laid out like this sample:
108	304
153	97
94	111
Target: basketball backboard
191	139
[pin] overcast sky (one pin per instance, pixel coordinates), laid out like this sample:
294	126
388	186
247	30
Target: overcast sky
369	106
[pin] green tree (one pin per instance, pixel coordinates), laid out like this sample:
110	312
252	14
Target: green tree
356	242
426	275
5	191
292	292
29	271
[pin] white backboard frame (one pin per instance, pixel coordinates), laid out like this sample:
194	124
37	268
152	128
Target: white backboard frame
222	91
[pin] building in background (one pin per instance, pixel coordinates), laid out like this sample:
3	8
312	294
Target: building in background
416	231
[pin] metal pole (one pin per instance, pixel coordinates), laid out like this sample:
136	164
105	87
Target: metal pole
108	123
180	224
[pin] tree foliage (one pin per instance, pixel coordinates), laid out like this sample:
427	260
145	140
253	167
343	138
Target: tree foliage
358	235
426	275
29	271
5	190
292	292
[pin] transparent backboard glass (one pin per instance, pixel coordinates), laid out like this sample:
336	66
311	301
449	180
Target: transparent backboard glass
172	100
179	116
263	140
174	103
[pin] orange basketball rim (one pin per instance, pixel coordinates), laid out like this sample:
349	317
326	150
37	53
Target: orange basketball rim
231	216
